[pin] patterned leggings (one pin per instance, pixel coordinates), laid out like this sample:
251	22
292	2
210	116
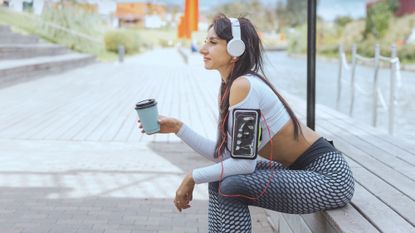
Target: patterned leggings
325	183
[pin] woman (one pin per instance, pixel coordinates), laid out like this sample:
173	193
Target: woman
306	173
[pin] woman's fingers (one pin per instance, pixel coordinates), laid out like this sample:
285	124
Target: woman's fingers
179	205
182	201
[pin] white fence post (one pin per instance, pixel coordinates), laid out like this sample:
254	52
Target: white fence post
392	90
339	79
352	80
375	86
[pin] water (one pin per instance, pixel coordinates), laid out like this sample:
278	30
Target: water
290	74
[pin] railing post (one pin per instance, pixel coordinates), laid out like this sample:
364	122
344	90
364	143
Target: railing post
392	90
375	86
339	81
352	80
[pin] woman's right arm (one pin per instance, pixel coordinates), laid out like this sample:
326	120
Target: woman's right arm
197	142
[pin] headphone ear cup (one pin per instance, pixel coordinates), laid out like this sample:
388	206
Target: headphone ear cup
236	47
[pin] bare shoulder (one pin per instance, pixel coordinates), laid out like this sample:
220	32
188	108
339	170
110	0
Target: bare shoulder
239	90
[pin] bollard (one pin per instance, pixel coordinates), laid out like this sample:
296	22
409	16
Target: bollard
121	52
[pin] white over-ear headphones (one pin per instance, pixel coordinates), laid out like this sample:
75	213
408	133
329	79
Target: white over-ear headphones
236	46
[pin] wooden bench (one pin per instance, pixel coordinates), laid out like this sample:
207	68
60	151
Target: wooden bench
384	170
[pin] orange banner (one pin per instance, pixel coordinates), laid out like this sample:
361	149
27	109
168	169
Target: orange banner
189	22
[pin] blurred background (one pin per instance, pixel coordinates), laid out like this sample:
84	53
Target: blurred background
99	27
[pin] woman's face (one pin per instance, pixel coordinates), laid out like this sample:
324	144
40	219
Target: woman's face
215	55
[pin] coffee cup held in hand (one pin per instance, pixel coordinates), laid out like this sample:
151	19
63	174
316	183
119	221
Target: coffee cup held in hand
148	114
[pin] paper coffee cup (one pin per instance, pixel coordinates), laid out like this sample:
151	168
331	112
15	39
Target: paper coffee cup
148	114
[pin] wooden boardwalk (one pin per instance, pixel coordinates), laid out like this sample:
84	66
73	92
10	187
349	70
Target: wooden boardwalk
99	105
73	160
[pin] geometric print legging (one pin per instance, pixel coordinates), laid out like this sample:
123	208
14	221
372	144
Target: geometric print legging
325	183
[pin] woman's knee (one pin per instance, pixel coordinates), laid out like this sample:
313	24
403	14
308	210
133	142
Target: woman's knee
233	185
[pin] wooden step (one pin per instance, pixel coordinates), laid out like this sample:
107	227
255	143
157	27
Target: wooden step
16	71
19	51
13	38
4	29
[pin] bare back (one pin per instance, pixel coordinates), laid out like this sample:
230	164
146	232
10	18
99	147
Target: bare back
285	148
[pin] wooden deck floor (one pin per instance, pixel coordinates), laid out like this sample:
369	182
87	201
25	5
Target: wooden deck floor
99	106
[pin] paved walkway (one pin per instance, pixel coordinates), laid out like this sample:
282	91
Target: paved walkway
73	160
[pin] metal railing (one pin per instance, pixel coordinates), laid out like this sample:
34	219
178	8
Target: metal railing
377	95
49	30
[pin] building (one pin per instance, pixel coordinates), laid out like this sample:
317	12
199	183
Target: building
141	14
405	6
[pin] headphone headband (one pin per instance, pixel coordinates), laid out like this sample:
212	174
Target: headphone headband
236	28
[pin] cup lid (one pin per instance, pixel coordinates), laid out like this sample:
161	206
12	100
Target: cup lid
145	103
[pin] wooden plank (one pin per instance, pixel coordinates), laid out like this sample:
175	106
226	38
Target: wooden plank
296	223
175	101
154	92
129	125
380	214
374	135
346	220
32	120
96	117
74	120
165	83
380	154
279	223
205	89
200	107
126	106
49	95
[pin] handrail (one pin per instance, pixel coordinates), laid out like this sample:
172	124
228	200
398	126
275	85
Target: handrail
395	81
80	37
79	34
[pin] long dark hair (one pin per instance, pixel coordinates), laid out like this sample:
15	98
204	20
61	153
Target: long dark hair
250	62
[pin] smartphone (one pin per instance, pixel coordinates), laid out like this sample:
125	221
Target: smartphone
245	133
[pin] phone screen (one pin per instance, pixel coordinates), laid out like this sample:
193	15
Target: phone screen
245	133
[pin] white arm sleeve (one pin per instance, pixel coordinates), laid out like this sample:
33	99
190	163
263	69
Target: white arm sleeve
231	167
206	148
197	142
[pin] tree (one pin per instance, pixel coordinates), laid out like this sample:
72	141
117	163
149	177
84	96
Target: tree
293	13
378	17
264	16
342	21
296	11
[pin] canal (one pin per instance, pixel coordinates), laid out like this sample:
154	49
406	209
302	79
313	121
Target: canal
289	73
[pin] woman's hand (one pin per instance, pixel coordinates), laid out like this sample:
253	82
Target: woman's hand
167	125
184	193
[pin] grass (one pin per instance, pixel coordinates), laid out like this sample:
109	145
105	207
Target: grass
76	40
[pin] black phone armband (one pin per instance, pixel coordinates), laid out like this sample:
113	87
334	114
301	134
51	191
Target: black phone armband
245	133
